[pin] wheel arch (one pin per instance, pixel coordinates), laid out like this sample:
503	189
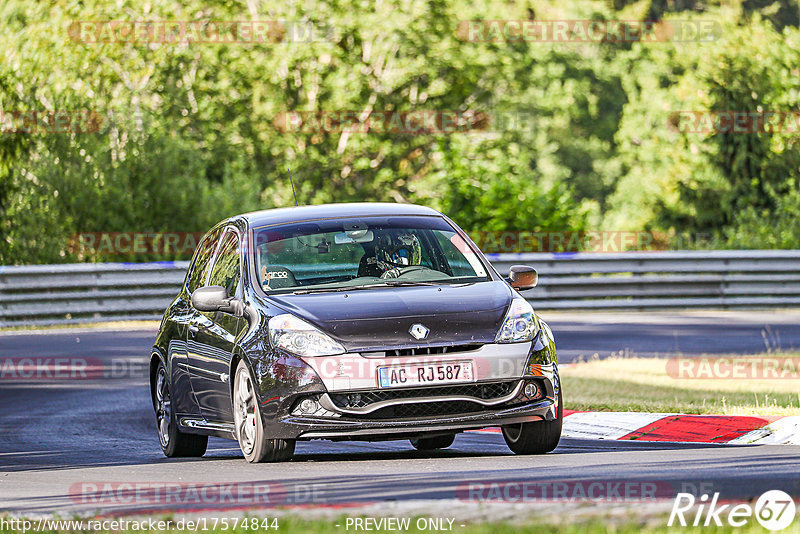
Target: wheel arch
237	356
156	358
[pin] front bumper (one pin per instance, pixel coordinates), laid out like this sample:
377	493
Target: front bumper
425	414
306	428
356	374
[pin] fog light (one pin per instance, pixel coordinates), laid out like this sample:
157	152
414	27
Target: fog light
309	406
531	390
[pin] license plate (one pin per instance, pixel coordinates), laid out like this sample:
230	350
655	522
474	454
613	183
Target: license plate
425	374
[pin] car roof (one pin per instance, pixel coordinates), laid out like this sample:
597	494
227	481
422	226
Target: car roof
271	217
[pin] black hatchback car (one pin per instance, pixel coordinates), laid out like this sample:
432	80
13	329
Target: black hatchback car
350	322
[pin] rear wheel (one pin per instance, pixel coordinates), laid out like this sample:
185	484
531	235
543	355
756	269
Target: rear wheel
174	443
537	437
435	442
249	426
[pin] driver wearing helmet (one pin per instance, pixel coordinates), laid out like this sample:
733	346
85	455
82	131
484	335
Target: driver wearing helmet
401	251
392	254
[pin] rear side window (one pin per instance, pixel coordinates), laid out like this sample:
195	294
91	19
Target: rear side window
225	271
202	257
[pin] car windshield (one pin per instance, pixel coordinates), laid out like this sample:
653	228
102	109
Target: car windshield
344	254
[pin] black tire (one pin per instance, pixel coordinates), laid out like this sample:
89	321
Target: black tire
249	426
174	443
537	437
432	443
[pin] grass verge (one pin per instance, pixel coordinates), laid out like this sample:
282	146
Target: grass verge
633	384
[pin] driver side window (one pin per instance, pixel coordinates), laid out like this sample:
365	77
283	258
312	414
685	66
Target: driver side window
202	257
226	272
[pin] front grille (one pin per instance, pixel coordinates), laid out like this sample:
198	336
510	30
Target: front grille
487	391
424	351
425	409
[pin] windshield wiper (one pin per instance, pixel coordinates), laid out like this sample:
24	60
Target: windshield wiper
398	283
320	290
393	282
335	289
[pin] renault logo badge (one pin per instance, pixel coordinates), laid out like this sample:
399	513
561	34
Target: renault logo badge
418	331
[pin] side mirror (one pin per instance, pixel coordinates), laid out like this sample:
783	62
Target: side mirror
215	298
523	277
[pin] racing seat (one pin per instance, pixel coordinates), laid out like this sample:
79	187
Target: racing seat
368	266
277	277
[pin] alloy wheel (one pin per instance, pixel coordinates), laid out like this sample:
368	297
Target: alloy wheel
163	407
245	411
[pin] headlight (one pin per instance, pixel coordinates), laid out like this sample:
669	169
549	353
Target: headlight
519	324
298	337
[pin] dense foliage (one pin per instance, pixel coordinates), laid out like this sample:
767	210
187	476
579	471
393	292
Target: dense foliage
580	136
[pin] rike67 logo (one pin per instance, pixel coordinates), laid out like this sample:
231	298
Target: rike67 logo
774	510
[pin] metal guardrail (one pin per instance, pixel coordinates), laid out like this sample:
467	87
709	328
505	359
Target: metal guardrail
74	293
722	279
87	292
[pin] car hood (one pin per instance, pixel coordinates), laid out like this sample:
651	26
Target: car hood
380	318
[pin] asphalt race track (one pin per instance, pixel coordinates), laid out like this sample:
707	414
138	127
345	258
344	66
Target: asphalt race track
81	445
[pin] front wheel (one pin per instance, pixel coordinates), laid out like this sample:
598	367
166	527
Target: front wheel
249	426
174	443
537	437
